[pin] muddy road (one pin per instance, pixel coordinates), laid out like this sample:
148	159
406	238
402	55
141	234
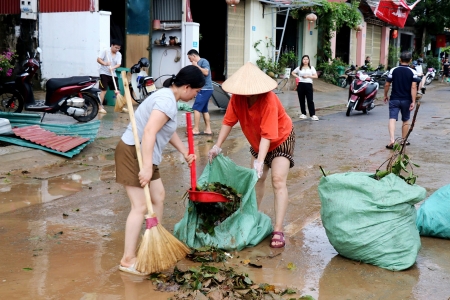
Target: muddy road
62	220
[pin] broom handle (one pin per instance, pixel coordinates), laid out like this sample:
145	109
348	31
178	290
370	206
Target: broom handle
136	140
191	150
112	74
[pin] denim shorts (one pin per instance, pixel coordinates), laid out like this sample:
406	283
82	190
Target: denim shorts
399	105
202	100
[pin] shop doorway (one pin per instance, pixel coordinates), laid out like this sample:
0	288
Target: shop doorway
213	29
343	44
117	21
405	42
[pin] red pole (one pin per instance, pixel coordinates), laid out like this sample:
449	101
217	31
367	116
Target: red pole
191	150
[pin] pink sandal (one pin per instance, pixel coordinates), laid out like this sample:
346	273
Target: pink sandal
274	240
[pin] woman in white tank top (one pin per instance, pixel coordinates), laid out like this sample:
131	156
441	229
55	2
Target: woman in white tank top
305	74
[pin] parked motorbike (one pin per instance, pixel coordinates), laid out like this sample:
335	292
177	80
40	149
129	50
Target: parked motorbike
429	77
141	85
378	75
73	96
348	77
362	93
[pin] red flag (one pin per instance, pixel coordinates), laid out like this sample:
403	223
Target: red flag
440	41
188	11
394	12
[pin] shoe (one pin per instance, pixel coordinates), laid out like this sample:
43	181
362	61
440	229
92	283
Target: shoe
314	118
407	143
419	93
302	116
206	133
281	239
124	110
132	270
390	146
102	111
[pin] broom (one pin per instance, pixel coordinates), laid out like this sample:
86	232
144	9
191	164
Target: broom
159	249
120	101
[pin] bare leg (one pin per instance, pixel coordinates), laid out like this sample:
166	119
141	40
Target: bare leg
136	217
260	184
405	129
196	122
102	98
280	170
391	128
207	122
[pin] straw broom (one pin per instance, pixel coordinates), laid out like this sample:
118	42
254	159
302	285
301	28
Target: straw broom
159	249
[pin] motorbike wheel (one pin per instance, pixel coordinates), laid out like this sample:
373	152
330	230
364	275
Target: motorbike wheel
342	82
135	97
90	107
428	80
382	81
11	101
349	108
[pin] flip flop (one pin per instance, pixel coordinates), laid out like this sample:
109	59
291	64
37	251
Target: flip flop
205	133
407	143
281	239
390	146
132	270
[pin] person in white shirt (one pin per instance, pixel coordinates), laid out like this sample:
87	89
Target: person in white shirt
305	74
108	58
419	70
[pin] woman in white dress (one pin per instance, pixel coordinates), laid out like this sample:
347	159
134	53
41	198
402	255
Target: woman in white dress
305	74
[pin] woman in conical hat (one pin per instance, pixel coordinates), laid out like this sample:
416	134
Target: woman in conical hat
268	129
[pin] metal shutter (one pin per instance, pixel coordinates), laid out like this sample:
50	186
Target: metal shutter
236	38
373	44
353	47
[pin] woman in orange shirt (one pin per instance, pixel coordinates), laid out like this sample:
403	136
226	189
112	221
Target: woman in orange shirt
268	129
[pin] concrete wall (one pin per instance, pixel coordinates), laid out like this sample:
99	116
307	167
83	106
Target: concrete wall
258	27
310	39
71	42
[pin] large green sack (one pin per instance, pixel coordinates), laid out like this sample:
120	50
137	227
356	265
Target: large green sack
433	216
244	228
371	221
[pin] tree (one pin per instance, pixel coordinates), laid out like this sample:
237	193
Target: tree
431	16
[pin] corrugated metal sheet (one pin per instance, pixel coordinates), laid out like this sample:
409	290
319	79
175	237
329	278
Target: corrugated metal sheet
9	7
37	135
49	6
167	10
86	130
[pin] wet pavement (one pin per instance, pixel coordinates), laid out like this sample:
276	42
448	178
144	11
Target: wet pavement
62	220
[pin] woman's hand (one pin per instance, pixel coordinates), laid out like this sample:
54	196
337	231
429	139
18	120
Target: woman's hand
145	175
215	150
258	166
190	158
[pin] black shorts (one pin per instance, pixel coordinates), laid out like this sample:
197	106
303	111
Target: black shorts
107	81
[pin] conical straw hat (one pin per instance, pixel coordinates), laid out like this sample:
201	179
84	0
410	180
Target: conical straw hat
249	80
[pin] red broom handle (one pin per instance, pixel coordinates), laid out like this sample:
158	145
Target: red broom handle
191	150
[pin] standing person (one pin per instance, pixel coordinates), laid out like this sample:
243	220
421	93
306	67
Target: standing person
445	69
305	74
156	122
268	129
108	58
200	106
367	61
404	82
420	74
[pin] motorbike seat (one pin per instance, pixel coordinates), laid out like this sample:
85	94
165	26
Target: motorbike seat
55	83
370	88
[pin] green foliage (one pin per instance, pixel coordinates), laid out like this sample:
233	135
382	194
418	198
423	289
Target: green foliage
401	166
332	16
7	63
329	70
432	15
288	60
433	62
393	56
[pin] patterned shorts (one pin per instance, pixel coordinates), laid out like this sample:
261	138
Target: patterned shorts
286	149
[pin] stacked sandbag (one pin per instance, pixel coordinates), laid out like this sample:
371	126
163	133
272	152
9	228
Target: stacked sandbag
372	221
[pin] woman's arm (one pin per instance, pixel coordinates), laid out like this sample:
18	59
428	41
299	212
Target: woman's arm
223	134
155	123
264	145
178	144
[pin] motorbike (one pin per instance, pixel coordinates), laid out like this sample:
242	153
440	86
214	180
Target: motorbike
429	77
378	75
141	85
73	96
362	93
348	77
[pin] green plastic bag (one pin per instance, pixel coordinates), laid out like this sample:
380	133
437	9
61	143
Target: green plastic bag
433	216
244	228
371	221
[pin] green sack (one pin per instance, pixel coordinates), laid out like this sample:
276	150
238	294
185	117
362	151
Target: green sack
433	216
371	221
244	228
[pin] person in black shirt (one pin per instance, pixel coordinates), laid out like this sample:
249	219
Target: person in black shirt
445	69
404	82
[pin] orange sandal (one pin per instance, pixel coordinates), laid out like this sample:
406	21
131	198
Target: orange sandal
274	240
